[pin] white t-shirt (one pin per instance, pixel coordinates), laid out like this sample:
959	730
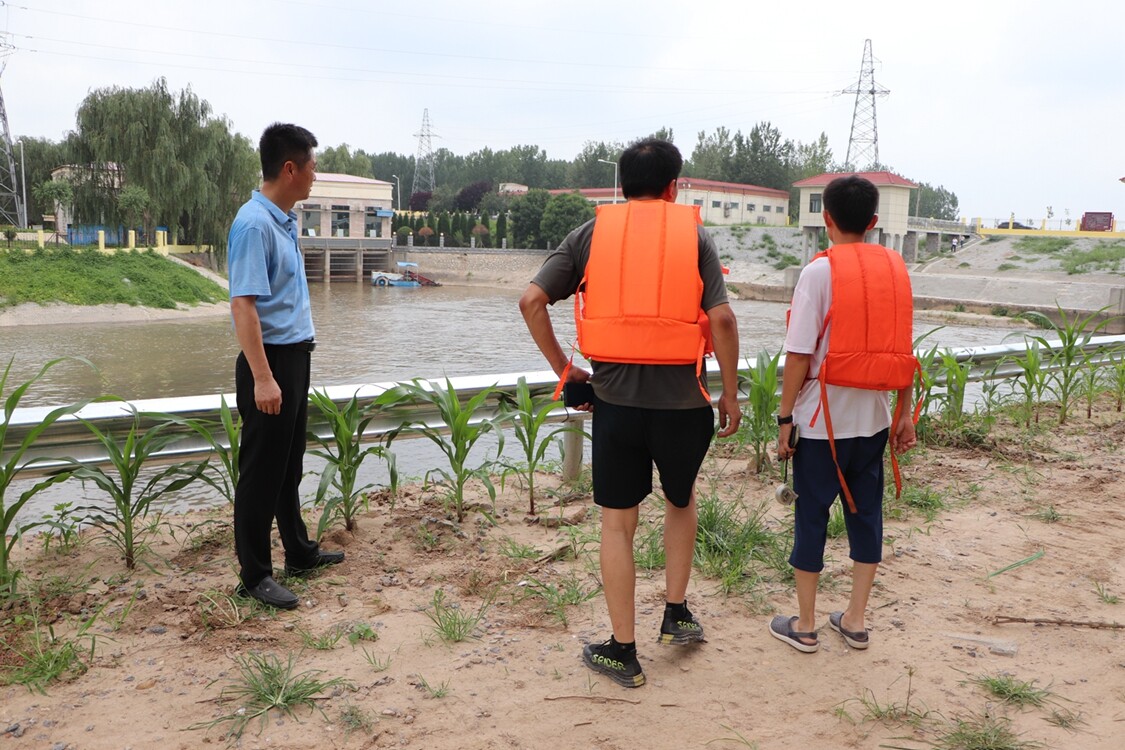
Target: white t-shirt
856	412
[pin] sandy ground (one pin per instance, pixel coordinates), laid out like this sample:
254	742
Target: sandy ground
161	662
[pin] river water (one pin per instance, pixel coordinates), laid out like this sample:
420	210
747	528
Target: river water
364	335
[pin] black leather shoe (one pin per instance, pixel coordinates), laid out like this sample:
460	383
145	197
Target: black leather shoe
322	559
270	592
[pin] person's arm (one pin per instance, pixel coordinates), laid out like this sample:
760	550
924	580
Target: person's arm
248	329
796	371
902	433
724	339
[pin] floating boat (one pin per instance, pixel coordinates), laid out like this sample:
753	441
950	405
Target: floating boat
408	276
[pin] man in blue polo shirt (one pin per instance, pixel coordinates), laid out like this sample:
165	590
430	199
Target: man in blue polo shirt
269	302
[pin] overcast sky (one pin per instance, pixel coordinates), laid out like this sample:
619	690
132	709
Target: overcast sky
1015	106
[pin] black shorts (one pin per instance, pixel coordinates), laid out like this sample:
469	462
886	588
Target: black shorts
628	441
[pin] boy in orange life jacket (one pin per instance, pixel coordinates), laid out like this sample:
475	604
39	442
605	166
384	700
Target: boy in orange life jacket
845	439
649	277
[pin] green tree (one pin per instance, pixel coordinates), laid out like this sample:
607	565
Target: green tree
195	170
341	160
564	213
935	203
52	194
713	155
527	213
41	156
589	171
501	226
133	202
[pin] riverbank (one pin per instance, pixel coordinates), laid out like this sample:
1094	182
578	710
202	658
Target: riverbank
1022	524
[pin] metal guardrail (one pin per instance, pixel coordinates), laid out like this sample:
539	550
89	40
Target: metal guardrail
68	437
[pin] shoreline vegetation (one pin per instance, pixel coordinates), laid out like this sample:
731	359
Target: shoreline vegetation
459	614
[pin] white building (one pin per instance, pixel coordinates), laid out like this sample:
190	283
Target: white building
894	207
720	203
343	205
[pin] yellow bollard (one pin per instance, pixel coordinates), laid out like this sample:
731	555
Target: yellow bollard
132	239
101	240
40	238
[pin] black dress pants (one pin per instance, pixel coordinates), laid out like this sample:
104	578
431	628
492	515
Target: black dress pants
270	464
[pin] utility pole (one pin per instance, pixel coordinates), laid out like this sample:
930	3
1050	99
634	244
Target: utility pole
863	145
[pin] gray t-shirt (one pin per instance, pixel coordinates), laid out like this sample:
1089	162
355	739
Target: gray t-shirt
645	386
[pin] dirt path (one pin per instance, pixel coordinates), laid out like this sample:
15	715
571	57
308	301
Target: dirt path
164	655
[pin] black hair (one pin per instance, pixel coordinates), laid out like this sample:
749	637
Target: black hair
282	142
648	166
851	202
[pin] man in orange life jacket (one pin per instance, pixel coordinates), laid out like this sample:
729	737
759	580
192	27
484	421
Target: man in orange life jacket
648	282
841	445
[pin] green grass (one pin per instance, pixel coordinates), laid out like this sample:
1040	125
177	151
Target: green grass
377	664
568	591
434	691
1104	595
1006	266
982	733
355	719
1013	691
517	551
324	642
265	684
88	277
1105	256
1042	245
451	623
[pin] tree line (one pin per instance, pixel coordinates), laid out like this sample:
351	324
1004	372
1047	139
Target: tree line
152	157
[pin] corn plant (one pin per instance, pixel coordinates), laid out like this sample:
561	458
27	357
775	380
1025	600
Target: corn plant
343	453
924	382
1032	381
1091	381
528	415
12	463
224	477
955	378
1073	334
763	399
131	496
465	428
1117	376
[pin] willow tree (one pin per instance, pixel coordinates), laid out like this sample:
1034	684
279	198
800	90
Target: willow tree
195	171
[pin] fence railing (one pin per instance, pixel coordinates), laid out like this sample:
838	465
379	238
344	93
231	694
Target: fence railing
68	437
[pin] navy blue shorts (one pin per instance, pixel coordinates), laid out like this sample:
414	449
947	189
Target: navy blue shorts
628	441
817	486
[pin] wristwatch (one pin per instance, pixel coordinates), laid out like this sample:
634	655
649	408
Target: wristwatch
784	420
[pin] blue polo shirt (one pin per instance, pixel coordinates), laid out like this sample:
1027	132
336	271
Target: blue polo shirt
264	261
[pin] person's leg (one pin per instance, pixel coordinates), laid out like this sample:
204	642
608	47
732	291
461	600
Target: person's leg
863	578
806	601
300	551
618	571
680	526
261	465
678	440
864	475
816	484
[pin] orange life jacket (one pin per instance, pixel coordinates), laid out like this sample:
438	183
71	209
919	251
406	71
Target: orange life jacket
872	341
639	300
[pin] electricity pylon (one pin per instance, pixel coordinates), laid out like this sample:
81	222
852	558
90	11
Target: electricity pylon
863	145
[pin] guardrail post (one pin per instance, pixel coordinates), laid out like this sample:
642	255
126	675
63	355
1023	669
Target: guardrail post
572	451
1116	310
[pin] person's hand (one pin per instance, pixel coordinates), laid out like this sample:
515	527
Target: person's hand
730	414
578	375
267	395
904	438
784	451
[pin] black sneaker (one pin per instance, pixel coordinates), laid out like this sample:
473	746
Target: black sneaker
606	658
680	627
